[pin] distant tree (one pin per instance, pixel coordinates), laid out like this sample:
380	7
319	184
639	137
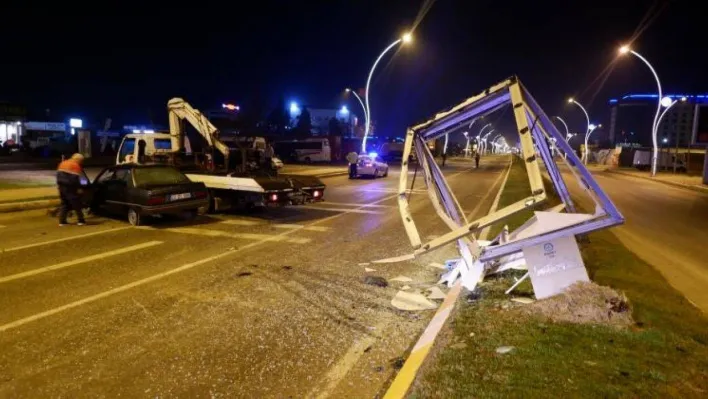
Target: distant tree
335	127
304	122
278	119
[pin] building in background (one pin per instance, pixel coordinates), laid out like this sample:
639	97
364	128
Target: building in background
322	120
632	115
11	118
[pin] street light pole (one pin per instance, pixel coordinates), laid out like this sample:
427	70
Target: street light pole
405	39
363	107
587	132
655	126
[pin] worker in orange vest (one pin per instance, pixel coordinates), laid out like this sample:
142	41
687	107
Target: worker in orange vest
69	174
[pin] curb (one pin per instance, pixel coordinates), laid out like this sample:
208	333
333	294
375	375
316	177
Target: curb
406	376
697	189
28	205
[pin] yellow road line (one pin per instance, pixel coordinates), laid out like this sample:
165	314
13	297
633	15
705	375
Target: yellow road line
406	376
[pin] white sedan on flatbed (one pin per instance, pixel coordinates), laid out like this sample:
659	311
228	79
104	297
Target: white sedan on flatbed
371	165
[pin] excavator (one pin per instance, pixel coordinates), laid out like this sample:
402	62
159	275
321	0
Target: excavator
232	167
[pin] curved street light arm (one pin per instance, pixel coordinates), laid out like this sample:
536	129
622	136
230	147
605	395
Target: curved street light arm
655	155
366	94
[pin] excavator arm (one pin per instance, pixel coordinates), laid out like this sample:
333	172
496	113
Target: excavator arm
181	110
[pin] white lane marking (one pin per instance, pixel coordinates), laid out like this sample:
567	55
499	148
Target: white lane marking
79	261
347	210
105	294
76	237
1	226
240	222
220	233
358	205
237	222
390	190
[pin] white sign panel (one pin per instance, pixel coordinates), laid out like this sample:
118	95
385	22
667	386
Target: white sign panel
46	126
554	265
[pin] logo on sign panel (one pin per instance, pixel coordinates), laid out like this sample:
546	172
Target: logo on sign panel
548	248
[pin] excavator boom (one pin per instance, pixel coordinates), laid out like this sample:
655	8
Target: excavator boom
181	110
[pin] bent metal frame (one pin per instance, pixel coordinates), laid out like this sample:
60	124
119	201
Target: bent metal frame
536	130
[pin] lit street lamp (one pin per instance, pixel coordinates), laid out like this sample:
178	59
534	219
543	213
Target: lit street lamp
591	128
624	50
406	38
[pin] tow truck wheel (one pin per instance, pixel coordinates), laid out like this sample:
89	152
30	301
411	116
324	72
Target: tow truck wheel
134	217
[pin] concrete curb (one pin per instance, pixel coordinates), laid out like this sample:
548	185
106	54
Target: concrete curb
28	205
698	189
406	376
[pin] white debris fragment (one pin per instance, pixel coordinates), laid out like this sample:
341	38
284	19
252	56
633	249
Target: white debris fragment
523	300
437	265
504	349
365	264
412	301
402	279
406	287
369	270
436	293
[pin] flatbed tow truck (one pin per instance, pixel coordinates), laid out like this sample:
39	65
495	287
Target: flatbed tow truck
230	167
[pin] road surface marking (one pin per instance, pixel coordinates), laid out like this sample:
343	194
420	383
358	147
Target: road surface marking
220	233
275	225
352	204
1	226
76	237
390	190
126	287
79	261
346	210
405	377
345	363
240	222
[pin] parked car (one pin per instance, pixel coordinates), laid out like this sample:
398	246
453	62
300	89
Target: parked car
138	191
371	165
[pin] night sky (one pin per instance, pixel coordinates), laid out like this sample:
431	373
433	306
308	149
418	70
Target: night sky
111	62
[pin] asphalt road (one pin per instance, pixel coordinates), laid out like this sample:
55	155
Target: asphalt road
665	226
234	305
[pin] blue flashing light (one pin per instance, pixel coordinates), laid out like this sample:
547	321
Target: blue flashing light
373	154
344	109
613	101
294	108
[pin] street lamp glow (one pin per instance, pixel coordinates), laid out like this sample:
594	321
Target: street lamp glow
683	99
344	109
405	39
624	50
666	101
571	100
592	126
294	108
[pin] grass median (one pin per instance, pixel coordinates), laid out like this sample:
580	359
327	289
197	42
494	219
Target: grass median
663	354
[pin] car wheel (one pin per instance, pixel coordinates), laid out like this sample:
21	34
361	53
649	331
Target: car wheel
385	173
134	217
376	174
308	160
190	214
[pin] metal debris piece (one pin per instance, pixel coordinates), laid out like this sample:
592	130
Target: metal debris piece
412	301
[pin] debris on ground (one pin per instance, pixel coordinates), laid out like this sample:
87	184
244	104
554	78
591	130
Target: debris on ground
287	267
523	299
406	287
376	280
402	279
412	301
474	296
397	363
459	345
435	293
365	264
369	270
585	303
504	349
437	265
243	274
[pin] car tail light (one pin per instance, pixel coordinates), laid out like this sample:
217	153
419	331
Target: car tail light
316	194
273	197
157	200
200	194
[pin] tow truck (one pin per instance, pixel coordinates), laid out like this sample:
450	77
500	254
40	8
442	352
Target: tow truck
230	167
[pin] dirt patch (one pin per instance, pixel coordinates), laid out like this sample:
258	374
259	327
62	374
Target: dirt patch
585	303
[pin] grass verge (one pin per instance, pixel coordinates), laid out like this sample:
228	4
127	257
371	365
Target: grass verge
665	354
